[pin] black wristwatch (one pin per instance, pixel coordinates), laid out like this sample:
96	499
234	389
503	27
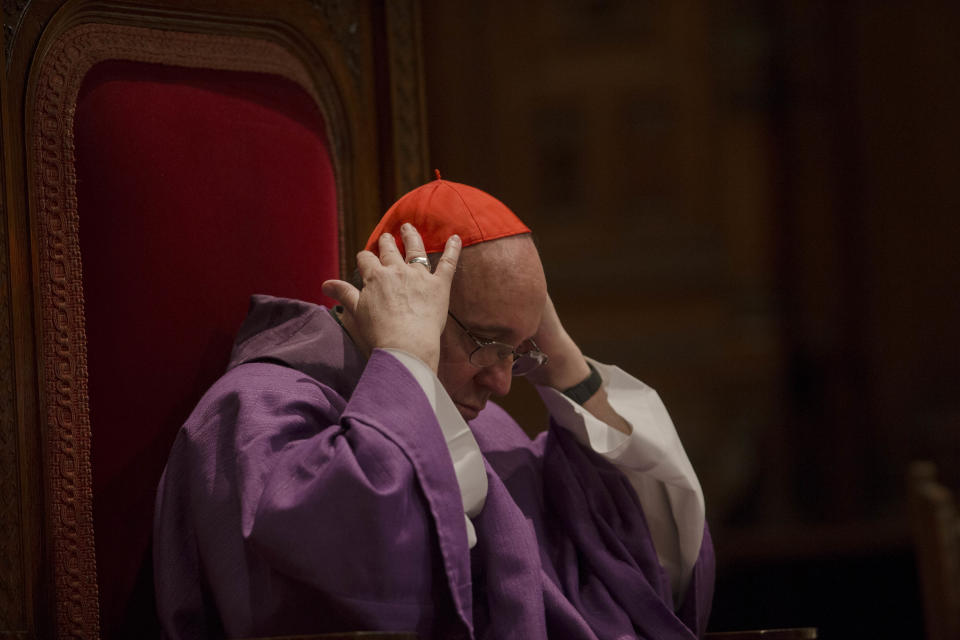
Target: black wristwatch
582	392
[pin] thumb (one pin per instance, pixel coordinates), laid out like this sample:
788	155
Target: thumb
343	292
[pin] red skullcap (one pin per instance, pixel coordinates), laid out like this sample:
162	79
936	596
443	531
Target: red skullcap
442	208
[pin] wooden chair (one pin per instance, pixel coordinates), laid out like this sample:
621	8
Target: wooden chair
163	160
936	534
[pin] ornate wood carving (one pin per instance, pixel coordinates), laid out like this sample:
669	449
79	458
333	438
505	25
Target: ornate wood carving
54	203
406	95
67	436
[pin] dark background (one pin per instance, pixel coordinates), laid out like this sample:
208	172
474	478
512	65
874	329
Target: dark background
752	206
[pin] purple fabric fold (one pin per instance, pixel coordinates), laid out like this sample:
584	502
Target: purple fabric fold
287	490
607	563
313	492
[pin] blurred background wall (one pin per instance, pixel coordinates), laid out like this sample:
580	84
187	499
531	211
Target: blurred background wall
752	206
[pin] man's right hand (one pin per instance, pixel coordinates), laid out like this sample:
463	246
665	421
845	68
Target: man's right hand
402	305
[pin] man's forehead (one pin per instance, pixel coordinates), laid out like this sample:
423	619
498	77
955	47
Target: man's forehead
513	259
500	284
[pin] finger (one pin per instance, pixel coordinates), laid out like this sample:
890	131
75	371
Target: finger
549	321
412	242
389	254
367	261
343	292
448	261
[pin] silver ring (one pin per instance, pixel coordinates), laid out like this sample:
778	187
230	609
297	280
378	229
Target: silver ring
420	260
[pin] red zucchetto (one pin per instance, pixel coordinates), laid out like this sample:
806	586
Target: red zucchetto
441	208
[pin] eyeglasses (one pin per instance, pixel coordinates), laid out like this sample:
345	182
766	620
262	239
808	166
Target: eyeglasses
489	352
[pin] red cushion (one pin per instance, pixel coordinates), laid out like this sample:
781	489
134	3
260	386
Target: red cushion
196	188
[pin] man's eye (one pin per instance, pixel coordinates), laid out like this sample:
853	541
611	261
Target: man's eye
503	350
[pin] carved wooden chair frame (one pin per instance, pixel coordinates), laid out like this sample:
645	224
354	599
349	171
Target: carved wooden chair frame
373	108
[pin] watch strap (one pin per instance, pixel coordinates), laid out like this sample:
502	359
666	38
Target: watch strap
583	391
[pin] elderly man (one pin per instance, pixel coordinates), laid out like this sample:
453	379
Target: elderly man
348	471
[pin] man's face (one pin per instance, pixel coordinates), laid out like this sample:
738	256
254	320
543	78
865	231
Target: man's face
498	294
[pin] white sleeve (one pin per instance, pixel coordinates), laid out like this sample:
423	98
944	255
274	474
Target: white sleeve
464	451
652	459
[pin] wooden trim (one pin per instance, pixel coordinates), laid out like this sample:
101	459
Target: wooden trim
798	633
64	407
20	484
13	616
408	113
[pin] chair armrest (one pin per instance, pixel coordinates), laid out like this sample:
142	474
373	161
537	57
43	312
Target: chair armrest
798	633
349	635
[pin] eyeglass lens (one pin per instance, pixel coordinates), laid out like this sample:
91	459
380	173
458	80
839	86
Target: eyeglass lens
492	353
527	363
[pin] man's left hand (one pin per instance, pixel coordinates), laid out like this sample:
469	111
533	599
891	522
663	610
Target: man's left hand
566	365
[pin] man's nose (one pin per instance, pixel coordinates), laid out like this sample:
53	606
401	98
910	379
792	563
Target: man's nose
497	377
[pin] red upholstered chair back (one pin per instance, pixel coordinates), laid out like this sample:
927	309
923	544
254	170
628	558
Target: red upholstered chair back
196	188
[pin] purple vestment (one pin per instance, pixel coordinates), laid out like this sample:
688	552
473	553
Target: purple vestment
312	491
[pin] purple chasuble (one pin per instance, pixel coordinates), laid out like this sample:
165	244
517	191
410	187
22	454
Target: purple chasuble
312	491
